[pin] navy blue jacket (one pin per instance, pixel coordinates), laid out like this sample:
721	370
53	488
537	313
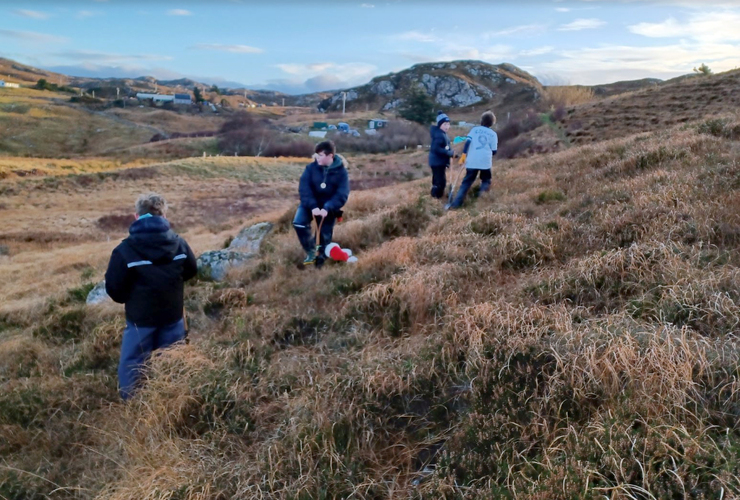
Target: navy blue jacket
335	192
147	271
440	151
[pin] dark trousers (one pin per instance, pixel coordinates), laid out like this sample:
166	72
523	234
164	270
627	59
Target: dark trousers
302	225
136	347
467	183
439	181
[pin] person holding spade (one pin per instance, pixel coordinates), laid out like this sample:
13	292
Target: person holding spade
323	189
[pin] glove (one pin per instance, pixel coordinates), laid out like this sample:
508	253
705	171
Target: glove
323	212
316	212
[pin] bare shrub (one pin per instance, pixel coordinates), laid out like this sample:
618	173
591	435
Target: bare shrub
394	137
300	148
115	222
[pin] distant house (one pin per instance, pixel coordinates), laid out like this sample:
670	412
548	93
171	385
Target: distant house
376	123
183	99
9	85
142	96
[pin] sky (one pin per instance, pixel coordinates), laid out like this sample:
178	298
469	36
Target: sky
308	46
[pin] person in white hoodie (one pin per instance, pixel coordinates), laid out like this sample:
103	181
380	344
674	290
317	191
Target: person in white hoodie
480	147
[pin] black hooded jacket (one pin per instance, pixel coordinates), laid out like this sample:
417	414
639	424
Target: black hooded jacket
440	151
147	271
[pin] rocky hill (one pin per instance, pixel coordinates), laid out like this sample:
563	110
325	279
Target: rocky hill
454	84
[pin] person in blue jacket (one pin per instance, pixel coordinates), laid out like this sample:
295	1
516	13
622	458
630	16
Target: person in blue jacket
440	153
323	189
479	150
146	272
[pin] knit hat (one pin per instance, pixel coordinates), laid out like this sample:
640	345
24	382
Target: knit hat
441	118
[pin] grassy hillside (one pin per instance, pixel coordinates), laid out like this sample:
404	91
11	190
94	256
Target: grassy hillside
43	124
572	334
576	115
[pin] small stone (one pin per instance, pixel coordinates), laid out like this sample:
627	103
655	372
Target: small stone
97	295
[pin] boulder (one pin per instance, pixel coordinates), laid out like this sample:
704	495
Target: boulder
97	295
250	238
215	264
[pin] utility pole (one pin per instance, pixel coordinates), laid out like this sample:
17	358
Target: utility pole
344	100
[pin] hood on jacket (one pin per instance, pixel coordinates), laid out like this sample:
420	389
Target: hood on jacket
435	130
153	239
339	161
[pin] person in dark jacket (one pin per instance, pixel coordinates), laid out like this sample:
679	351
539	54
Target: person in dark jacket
324	189
440	154
147	272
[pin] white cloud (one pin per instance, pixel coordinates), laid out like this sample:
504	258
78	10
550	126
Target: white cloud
367	6
89	56
236	49
619	62
348	71
179	12
562	9
415	36
32	36
33	14
582	24
537	51
516	30
705	26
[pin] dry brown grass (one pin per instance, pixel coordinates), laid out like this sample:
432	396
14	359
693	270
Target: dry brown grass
564	96
532	345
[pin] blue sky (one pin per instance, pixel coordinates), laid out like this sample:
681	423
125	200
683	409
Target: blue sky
299	47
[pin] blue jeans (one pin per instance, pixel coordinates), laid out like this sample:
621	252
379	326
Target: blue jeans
136	347
302	225
470	175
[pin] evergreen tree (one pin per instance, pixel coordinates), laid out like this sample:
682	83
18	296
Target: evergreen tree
197	95
419	107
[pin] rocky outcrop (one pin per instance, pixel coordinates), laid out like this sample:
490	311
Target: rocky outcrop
451	85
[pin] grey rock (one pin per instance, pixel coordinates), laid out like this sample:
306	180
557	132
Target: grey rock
97	295
250	238
451	91
392	104
215	264
511	81
383	87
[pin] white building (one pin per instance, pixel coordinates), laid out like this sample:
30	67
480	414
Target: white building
155	97
183	99
9	85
